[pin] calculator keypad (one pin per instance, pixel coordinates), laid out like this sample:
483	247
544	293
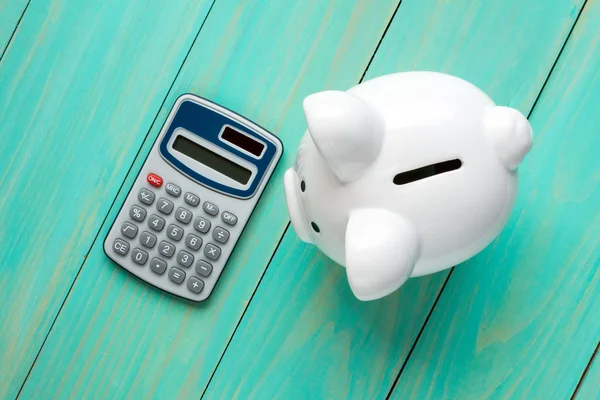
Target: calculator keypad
197	253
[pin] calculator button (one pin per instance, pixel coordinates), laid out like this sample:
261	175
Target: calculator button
164	206
137	213
220	235
184	258
155	222
139	256
183	215
175	232
176	275
192	199
146	196
128	229
147	239
210	208
157	265
154	180
173	189
201	225
211	251
203	268
193	242
229	218
195	284
120	246
166	249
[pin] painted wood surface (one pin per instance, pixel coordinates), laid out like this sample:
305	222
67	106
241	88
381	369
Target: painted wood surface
117	337
10	13
590	386
522	319
304	335
79	87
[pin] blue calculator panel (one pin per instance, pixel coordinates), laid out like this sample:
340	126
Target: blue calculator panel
192	198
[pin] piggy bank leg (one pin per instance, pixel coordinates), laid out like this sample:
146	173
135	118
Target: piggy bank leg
382	249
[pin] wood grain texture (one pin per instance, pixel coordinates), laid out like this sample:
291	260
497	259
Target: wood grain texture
117	337
590	386
304	335
79	88
522	319
10	12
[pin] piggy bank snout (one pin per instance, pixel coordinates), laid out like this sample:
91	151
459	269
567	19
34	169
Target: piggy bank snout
295	209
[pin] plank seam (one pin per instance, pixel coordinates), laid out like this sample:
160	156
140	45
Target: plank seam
14	31
244	312
418	336
114	200
288	224
535	102
585	372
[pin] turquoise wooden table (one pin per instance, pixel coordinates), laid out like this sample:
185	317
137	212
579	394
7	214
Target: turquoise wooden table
84	90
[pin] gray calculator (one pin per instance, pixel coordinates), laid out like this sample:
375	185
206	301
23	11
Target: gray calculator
192	198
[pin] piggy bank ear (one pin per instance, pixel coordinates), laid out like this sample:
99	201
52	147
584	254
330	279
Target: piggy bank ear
511	134
347	132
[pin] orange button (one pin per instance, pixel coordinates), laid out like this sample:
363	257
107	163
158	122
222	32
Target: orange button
155	180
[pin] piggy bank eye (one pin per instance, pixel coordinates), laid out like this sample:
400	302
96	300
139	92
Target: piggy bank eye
428	171
302	186
315	227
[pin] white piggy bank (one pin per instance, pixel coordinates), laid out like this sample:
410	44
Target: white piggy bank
404	175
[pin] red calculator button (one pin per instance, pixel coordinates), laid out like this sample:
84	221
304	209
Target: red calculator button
155	180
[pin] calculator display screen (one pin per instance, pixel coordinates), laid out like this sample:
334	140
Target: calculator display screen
211	159
242	141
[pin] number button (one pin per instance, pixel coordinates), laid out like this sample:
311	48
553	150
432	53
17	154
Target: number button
220	235
201	225
173	189
147	239
192	199
229	218
158	266
155	222
166	249
175	232
210	208
195	284
129	230
146	196
137	213
139	256
183	215
176	275
120	246
211	251
164	206
203	268
193	242
184	258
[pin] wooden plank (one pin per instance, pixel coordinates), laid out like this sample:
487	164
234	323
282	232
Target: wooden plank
590	386
523	318
304	335
117	337
80	85
10	13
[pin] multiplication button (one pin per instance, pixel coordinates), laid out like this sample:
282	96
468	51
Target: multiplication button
211	251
